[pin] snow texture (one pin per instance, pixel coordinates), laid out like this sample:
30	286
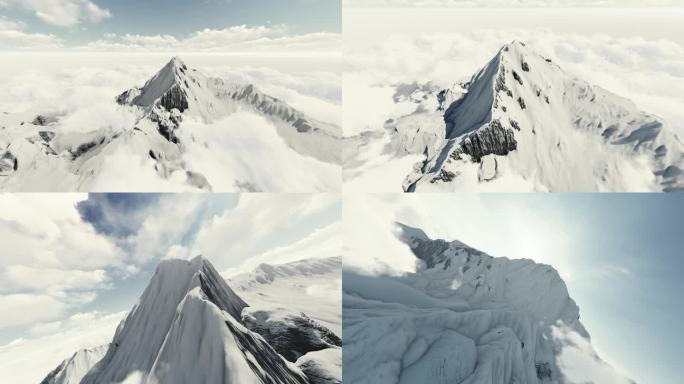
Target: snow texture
522	123
186	328
465	317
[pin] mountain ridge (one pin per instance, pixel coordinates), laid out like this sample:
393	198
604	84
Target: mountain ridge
521	114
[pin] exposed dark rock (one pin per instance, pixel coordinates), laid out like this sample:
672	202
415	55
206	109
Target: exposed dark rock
83	148
47	136
525	66
302	125
174	98
8	163
43	120
444	176
490	139
263	360
517	78
514	124
292	336
544	371
521	102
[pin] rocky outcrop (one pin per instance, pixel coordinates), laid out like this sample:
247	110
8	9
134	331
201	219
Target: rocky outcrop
292	335
490	139
8	163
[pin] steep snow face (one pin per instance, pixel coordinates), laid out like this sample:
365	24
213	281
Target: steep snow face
465	317
521	119
72	370
177	89
185	328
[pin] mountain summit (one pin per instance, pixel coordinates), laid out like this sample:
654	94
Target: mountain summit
522	118
186	328
177	90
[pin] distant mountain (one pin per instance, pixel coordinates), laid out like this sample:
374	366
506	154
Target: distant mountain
72	370
466	317
522	120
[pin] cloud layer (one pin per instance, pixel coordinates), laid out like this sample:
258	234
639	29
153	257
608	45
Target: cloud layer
61	13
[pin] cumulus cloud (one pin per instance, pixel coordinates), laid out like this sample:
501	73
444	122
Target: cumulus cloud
13	36
239	38
263	223
62	13
51	259
510	3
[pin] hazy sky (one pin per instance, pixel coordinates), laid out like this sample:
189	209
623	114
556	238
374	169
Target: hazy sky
72	264
620	255
194	24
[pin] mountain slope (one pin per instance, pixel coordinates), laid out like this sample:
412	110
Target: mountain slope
522	119
177	90
180	131
186	328
466	317
72	370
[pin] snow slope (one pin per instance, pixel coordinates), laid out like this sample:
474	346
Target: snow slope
522	123
186	328
72	370
234	138
465	317
311	286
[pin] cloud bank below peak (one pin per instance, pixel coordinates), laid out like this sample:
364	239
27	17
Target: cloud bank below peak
238	39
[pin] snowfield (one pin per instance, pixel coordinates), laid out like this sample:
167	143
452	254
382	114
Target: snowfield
465	317
181	131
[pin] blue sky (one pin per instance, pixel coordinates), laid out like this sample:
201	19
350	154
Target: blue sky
620	255
75	23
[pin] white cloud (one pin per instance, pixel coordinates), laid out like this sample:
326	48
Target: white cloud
262	223
12	36
28	360
63	13
51	260
240	38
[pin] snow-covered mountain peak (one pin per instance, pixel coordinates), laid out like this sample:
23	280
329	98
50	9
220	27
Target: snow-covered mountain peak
187	307
523	116
177	90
